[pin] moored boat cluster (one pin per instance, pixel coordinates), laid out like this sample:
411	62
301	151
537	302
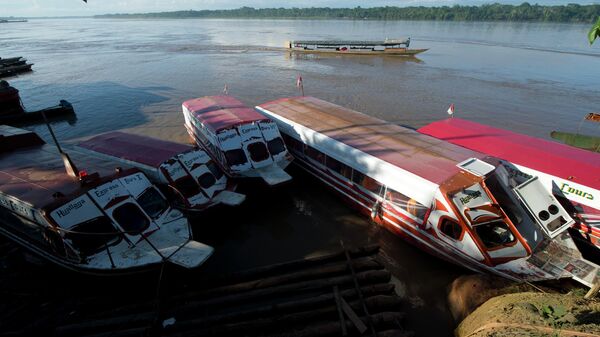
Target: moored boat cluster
489	211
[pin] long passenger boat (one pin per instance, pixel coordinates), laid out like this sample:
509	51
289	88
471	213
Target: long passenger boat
571	174
192	177
386	47
242	141
108	221
456	203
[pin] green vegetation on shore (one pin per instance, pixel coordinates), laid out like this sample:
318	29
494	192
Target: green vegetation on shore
492	12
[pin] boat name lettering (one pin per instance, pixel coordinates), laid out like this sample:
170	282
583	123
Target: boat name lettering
223	138
131	179
62	212
470	196
566	189
250	129
106	190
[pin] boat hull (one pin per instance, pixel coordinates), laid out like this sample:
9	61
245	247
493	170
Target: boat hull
62	109
394	52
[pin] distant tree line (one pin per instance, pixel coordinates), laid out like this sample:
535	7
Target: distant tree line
491	12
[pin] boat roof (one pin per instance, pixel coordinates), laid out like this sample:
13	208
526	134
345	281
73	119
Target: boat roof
33	174
222	112
557	159
402	147
353	42
140	149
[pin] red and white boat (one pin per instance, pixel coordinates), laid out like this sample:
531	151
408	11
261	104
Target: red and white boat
453	202
242	141
106	222
571	174
192	177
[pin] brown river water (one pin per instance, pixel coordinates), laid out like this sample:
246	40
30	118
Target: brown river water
134	74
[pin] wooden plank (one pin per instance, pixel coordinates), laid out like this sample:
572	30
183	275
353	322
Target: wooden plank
353	316
593	291
338	302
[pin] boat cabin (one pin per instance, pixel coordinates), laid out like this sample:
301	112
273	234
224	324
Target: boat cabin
242	141
571	174
105	220
453	202
191	177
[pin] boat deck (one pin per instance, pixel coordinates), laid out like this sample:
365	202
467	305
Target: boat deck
422	155
33	174
145	150
221	112
557	159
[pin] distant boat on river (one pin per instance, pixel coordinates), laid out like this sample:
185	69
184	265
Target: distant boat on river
386	47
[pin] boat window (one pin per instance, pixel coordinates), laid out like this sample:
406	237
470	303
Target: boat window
258	151
314	154
338	167
152	202
293	144
276	146
214	169
366	182
236	157
186	186
494	234
131	218
511	206
451	229
207	180
400	201
93	235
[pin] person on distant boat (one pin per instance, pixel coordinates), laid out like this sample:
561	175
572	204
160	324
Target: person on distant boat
10	102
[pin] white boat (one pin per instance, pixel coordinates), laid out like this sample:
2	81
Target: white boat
194	182
242	141
455	203
100	220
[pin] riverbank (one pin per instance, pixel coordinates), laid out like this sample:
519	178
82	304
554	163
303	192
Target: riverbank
488	12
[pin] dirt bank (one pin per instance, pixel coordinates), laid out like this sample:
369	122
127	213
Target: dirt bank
533	314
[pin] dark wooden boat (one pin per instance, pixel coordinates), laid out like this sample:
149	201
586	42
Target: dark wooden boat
14	70
62	109
13	63
10	59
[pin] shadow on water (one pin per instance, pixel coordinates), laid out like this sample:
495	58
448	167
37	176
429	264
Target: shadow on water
99	106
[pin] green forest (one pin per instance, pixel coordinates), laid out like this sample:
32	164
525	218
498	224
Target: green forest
492	12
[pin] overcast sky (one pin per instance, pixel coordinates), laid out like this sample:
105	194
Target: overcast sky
32	8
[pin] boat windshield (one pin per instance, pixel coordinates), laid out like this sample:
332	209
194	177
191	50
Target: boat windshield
207	180
276	146
236	157
131	218
152	202
498	183
186	186
258	151
214	169
92	236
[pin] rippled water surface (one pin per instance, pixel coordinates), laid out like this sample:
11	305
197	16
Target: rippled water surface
134	74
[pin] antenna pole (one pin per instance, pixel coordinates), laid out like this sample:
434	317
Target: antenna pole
69	165
52	132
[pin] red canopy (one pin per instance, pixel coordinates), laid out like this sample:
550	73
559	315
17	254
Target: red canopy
221	112
136	148
542	155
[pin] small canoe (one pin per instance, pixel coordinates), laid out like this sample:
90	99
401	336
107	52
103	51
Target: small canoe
10	59
586	142
13	63
14	70
62	109
398	47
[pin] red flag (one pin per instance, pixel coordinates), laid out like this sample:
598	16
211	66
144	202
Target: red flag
451	109
299	81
